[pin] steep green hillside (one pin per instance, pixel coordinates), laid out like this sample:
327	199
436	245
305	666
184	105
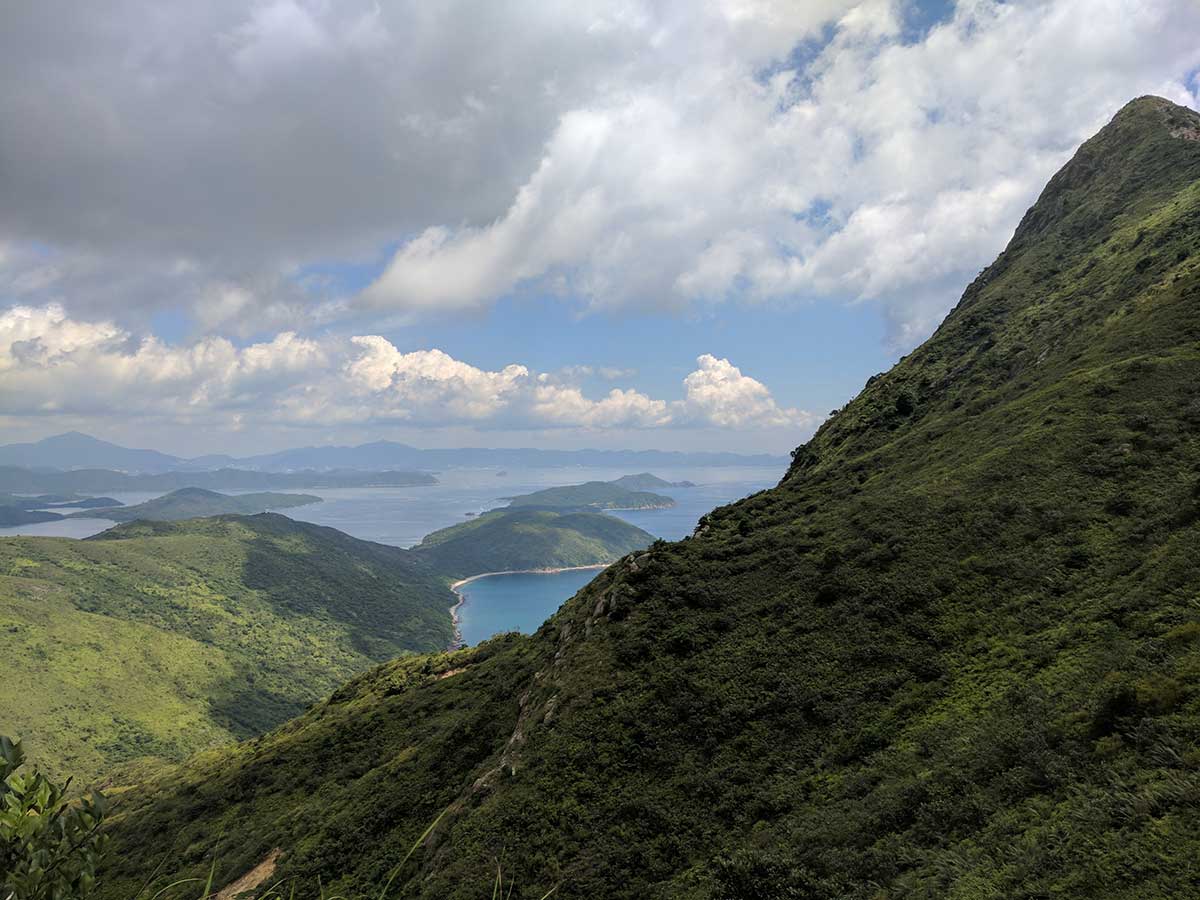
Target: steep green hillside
197	503
503	540
594	494
164	638
955	653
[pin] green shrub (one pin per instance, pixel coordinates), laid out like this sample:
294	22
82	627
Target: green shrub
49	845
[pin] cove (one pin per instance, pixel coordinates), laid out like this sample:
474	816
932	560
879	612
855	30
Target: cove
514	601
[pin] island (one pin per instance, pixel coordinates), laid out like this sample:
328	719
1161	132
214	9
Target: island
528	539
12	516
644	481
194	503
18	509
55	501
592	495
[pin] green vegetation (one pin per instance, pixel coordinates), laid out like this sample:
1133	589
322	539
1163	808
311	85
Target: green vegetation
160	639
644	481
626	492
53	501
196	503
24	510
15	515
955	653
49	846
517	539
592	495
83	502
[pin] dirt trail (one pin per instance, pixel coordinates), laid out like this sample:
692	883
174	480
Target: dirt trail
251	879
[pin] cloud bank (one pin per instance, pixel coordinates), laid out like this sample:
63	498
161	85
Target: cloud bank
631	155
53	364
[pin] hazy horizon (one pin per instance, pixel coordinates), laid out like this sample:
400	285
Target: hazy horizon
248	226
422	441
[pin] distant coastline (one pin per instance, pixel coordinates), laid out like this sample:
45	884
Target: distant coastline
457	642
634	508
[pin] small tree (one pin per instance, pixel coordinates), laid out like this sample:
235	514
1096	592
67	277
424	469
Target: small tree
49	845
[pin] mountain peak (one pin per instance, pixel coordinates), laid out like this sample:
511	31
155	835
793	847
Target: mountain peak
74	450
1116	220
194	492
1143	154
73	437
1149	104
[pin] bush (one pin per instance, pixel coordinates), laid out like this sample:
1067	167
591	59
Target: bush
49	845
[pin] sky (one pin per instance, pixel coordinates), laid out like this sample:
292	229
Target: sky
243	226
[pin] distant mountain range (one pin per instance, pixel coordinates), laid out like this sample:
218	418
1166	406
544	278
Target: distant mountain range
16	480
74	450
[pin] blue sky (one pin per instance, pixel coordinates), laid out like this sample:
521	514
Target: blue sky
642	224
828	352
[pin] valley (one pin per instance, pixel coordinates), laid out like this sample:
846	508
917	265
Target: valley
149	641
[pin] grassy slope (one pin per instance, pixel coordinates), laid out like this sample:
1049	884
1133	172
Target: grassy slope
530	539
161	639
597	494
955	653
195	503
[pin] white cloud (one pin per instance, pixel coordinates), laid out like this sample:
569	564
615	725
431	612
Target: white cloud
51	363
700	182
717	393
619	408
615	373
430	380
620	155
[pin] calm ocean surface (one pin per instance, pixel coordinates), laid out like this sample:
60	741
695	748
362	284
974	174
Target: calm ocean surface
402	516
501	603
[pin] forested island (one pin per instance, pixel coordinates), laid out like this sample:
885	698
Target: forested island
192	503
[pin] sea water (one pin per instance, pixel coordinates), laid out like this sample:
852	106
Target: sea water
402	516
521	602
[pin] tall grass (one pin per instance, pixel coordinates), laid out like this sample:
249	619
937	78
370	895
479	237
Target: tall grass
501	890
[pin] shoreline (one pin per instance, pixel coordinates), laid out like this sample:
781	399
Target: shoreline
634	508
457	642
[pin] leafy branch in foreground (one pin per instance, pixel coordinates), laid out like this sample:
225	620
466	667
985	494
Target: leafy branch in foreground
49	845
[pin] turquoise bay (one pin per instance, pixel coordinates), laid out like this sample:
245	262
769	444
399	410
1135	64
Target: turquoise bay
520	601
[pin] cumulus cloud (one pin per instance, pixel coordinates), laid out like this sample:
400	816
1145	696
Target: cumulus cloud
629	155
430	380
718	393
880	168
52	363
620	408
